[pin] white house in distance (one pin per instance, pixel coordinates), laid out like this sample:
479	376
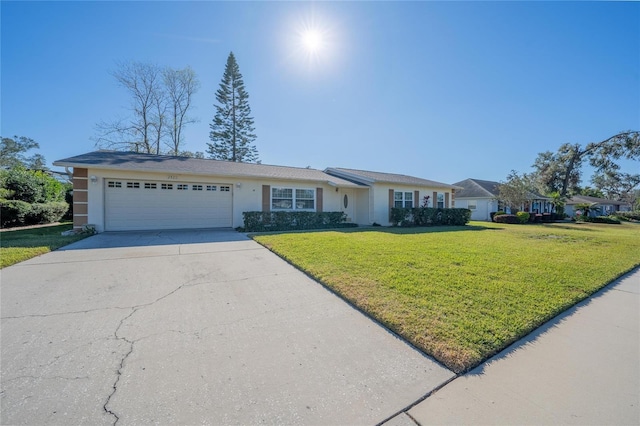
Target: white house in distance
600	206
120	191
481	197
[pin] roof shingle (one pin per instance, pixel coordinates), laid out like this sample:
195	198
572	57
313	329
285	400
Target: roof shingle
365	176
117	160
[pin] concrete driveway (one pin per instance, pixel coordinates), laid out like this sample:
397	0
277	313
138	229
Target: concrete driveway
192	327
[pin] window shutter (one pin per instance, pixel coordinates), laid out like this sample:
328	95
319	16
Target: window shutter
390	202
319	200
434	200
446	200
266	198
416	198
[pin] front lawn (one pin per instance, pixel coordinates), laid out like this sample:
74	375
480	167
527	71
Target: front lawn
462	294
19	245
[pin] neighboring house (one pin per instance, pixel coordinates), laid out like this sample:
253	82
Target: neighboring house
481	197
600	206
119	191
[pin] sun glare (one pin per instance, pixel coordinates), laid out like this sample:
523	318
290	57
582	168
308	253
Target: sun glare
312	41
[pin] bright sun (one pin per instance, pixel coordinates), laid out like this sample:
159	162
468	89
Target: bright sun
312	41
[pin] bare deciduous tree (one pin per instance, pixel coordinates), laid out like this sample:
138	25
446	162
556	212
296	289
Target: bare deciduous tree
159	107
180	86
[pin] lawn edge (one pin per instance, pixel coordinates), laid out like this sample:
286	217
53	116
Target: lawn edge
423	352
357	308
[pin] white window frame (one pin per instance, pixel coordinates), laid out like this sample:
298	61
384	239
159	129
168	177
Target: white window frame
472	204
440	200
296	199
405	198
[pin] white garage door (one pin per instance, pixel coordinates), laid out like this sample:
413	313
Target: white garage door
140	205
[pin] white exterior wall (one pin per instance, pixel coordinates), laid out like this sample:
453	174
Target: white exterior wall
246	193
484	206
379	199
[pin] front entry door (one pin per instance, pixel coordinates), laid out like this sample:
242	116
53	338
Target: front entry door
347	204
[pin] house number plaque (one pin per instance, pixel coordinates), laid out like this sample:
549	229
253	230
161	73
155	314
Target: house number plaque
172	177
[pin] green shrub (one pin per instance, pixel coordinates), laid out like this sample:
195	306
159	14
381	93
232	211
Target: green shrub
429	216
634	215
601	219
31	186
13	212
290	221
46	212
523	217
494	214
506	218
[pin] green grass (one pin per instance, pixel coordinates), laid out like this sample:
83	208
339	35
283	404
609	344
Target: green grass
20	245
462	294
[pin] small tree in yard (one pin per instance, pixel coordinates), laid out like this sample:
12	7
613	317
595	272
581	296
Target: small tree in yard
232	130
516	190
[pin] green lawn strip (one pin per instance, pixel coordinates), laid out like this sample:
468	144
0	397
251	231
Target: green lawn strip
463	294
20	245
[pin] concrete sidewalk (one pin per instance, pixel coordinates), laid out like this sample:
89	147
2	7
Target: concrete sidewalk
581	368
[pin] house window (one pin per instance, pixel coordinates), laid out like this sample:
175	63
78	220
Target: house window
305	199
472	205
166	186
225	188
196	187
403	199
211	188
148	185
290	199
133	184
440	200
182	187
113	184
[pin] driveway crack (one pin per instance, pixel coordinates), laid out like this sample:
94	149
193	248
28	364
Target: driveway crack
131	343
121	366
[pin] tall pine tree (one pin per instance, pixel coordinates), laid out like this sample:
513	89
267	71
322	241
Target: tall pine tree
232	130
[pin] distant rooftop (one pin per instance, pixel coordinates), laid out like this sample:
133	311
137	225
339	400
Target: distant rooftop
478	188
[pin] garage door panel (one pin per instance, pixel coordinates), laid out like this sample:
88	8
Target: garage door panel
149	207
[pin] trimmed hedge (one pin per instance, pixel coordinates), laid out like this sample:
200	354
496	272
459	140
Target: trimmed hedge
601	219
46	212
293	221
20	213
506	218
429	216
13	212
635	215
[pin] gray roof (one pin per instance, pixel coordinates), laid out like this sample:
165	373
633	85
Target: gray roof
368	177
117	160
584	199
478	188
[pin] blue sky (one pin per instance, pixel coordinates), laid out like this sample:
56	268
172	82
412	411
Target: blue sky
440	90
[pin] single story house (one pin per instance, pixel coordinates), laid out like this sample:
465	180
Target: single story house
600	206
481	197
119	191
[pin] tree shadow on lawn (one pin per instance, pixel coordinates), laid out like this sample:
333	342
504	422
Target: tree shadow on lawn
529	340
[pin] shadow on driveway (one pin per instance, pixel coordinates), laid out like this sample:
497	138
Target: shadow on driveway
157	238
